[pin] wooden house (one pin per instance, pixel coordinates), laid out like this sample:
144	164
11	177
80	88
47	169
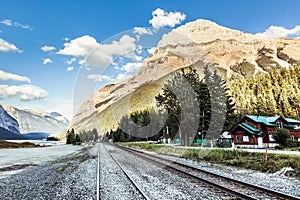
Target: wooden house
256	131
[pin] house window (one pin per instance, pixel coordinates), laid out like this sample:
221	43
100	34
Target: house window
292	137
279	124
245	138
237	138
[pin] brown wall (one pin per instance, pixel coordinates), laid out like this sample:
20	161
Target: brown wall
295	133
241	132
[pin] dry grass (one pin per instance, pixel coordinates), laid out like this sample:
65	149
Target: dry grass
12	145
248	160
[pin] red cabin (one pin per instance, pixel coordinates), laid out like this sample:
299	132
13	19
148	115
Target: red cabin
256	131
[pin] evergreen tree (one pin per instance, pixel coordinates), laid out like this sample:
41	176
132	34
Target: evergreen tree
281	136
178	121
276	93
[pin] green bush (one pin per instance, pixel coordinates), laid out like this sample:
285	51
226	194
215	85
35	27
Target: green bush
292	144
281	136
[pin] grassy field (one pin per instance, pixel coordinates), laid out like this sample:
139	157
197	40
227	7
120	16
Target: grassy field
12	145
248	160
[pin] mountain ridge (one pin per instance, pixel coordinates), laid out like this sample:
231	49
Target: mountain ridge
234	54
31	121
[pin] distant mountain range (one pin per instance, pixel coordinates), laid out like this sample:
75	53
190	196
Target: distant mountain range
30	124
234	54
9	126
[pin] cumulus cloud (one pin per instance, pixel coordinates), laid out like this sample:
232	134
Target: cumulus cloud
47	48
161	18
94	54
47	61
5	76
80	46
130	70
99	78
8	47
9	22
25	92
70	68
124	77
131	67
280	31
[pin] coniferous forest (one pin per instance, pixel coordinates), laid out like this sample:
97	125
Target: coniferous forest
274	93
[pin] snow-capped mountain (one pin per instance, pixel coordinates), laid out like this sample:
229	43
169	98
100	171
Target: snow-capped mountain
32	121
8	122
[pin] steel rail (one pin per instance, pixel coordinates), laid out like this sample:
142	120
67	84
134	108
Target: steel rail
259	188
128	176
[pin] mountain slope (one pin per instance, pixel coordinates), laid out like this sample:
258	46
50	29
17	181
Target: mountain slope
233	53
31	121
9	127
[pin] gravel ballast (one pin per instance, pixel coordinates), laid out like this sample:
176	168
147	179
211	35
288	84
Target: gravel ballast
70	177
283	184
157	182
74	177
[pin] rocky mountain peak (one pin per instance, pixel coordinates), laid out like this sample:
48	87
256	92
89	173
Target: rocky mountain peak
233	53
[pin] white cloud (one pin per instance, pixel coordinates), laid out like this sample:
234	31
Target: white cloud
279	31
161	18
70	68
6	22
69	62
99	55
130	70
5	76
80	46
47	48
9	22
131	67
25	92
151	50
99	78
8	47
139	31
123	77
47	61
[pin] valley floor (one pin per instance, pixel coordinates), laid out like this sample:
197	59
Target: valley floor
70	172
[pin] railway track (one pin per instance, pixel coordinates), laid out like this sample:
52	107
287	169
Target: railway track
234	188
138	188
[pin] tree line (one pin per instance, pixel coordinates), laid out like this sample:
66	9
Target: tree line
185	89
273	93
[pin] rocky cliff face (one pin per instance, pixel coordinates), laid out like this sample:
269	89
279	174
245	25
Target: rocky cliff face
235	54
31	121
8	122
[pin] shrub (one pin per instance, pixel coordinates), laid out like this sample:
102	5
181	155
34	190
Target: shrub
281	136
292	144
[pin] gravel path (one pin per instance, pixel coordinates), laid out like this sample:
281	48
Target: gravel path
279	183
113	182
158	183
70	177
74	177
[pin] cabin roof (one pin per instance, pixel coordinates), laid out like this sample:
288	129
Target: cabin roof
264	119
250	129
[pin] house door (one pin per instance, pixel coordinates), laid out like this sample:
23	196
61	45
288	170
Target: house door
260	142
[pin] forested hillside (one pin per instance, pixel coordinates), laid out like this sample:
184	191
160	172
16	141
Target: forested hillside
275	93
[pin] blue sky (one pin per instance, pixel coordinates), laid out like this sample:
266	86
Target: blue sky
47	48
